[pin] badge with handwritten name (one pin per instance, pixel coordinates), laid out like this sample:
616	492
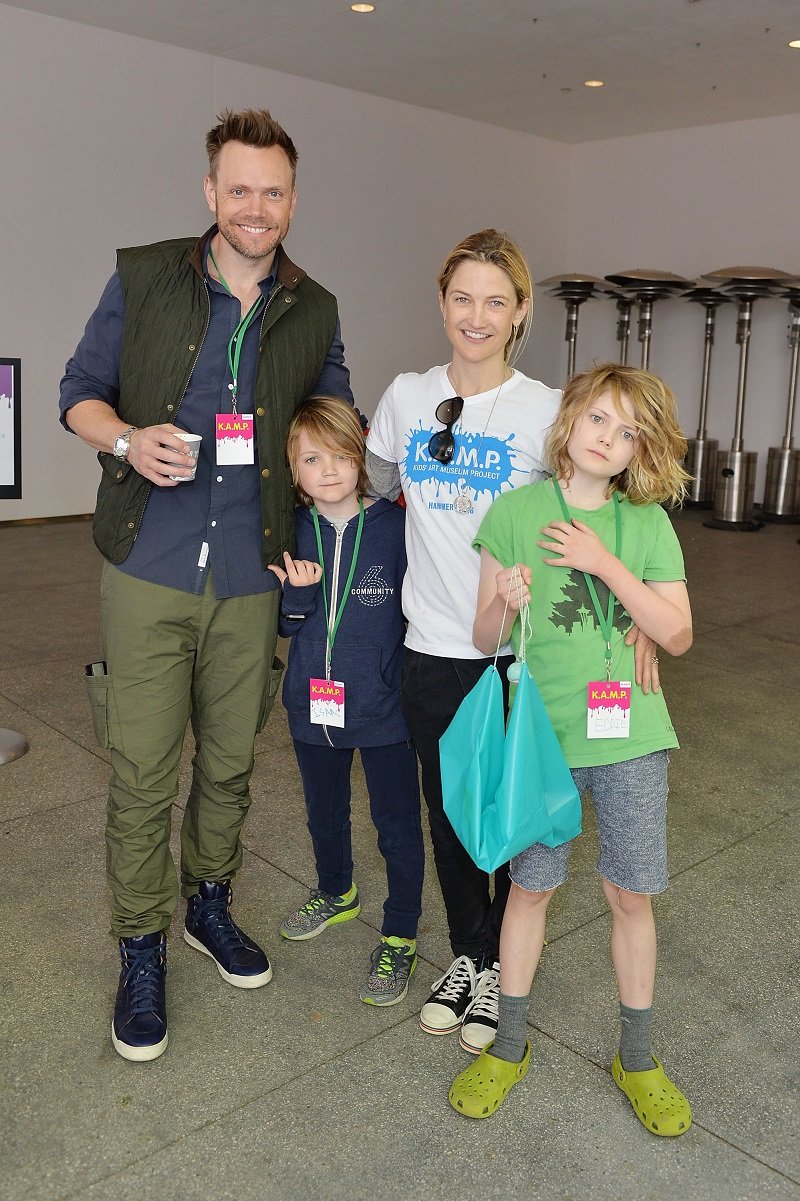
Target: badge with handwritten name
235	440
327	702
608	709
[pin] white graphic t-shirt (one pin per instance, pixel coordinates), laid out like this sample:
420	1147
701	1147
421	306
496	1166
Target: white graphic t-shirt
498	446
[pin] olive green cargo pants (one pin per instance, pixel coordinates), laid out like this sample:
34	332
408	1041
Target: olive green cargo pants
173	657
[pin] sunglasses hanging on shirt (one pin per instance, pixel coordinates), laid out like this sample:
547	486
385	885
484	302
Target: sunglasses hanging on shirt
443	444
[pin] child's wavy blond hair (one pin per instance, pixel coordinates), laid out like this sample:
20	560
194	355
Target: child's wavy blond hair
334	424
655	474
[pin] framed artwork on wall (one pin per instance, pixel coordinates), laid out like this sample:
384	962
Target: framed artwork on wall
10	430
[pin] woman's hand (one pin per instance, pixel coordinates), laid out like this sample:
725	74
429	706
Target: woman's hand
299	572
576	545
645	654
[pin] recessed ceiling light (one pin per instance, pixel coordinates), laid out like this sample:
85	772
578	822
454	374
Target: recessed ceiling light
795	45
594	83
363	8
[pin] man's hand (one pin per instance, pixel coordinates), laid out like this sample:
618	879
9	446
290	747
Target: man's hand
157	453
299	572
645	653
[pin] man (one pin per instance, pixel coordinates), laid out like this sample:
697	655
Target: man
221	336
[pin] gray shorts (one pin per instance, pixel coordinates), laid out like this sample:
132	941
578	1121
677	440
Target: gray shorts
630	804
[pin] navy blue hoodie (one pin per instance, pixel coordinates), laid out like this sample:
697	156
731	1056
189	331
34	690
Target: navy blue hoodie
368	648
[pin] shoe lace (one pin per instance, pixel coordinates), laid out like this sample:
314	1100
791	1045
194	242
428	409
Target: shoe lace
460	975
220	923
487	994
386	959
142	976
316	901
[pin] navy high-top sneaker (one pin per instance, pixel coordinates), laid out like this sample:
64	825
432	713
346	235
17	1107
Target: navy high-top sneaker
139	1028
210	929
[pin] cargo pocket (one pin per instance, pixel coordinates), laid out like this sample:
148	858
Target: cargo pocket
273	684
97	682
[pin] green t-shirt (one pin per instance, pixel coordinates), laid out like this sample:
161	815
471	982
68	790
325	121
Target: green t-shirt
566	647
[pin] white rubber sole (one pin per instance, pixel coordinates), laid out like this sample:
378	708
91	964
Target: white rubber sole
475	1047
237	981
138	1054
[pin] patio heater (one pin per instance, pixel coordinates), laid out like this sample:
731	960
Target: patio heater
574	290
624	306
736	468
646	286
782	493
701	453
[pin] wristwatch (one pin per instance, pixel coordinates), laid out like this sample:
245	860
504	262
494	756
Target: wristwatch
122	444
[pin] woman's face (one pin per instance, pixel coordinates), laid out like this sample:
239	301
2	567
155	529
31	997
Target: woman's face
479	309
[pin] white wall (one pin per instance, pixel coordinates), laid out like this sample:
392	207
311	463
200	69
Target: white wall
102	146
106	149
692	201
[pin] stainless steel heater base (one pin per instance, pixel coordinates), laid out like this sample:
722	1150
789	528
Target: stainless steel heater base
734	491
782	493
701	463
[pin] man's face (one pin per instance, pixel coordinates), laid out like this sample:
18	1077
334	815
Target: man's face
252	197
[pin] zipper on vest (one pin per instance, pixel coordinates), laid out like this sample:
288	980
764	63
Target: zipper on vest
199	349
180	402
278	288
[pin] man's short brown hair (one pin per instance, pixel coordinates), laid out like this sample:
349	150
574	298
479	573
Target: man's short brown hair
253	127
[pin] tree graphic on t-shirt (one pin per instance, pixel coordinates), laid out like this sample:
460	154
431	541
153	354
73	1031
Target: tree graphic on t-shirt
577	608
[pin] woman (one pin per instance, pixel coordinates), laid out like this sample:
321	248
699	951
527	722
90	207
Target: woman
453	439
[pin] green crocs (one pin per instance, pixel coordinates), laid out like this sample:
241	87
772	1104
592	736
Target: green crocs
657	1102
483	1087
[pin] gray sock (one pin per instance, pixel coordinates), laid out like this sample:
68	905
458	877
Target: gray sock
512	1028
635	1046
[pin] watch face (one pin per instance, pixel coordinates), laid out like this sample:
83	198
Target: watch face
121	447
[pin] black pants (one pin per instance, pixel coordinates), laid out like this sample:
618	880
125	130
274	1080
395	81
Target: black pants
433	688
393	787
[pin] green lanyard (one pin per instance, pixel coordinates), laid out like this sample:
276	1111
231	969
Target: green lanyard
237	337
605	620
331	621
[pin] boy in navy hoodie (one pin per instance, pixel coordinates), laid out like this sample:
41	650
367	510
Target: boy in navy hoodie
341	608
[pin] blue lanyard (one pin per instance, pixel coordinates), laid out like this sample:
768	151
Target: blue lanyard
605	620
237	337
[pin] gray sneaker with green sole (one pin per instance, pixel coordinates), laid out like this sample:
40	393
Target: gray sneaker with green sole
320	911
392	964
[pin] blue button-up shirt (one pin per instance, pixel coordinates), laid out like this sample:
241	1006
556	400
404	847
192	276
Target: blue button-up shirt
214	522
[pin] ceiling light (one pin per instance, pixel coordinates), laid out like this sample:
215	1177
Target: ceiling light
594	83
795	45
363	8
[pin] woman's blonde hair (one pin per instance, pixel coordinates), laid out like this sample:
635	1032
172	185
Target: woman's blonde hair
334	424
655	473
494	246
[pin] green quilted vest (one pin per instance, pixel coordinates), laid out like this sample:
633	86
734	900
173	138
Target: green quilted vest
167	309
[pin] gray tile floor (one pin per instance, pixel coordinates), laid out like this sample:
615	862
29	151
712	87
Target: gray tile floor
298	1091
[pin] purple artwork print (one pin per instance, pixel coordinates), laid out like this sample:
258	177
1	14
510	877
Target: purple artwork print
7	384
10	432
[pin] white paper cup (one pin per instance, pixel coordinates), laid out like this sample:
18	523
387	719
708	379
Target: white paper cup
192	451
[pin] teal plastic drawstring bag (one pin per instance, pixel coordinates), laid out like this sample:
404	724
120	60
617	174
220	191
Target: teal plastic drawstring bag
536	800
503	791
471	760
